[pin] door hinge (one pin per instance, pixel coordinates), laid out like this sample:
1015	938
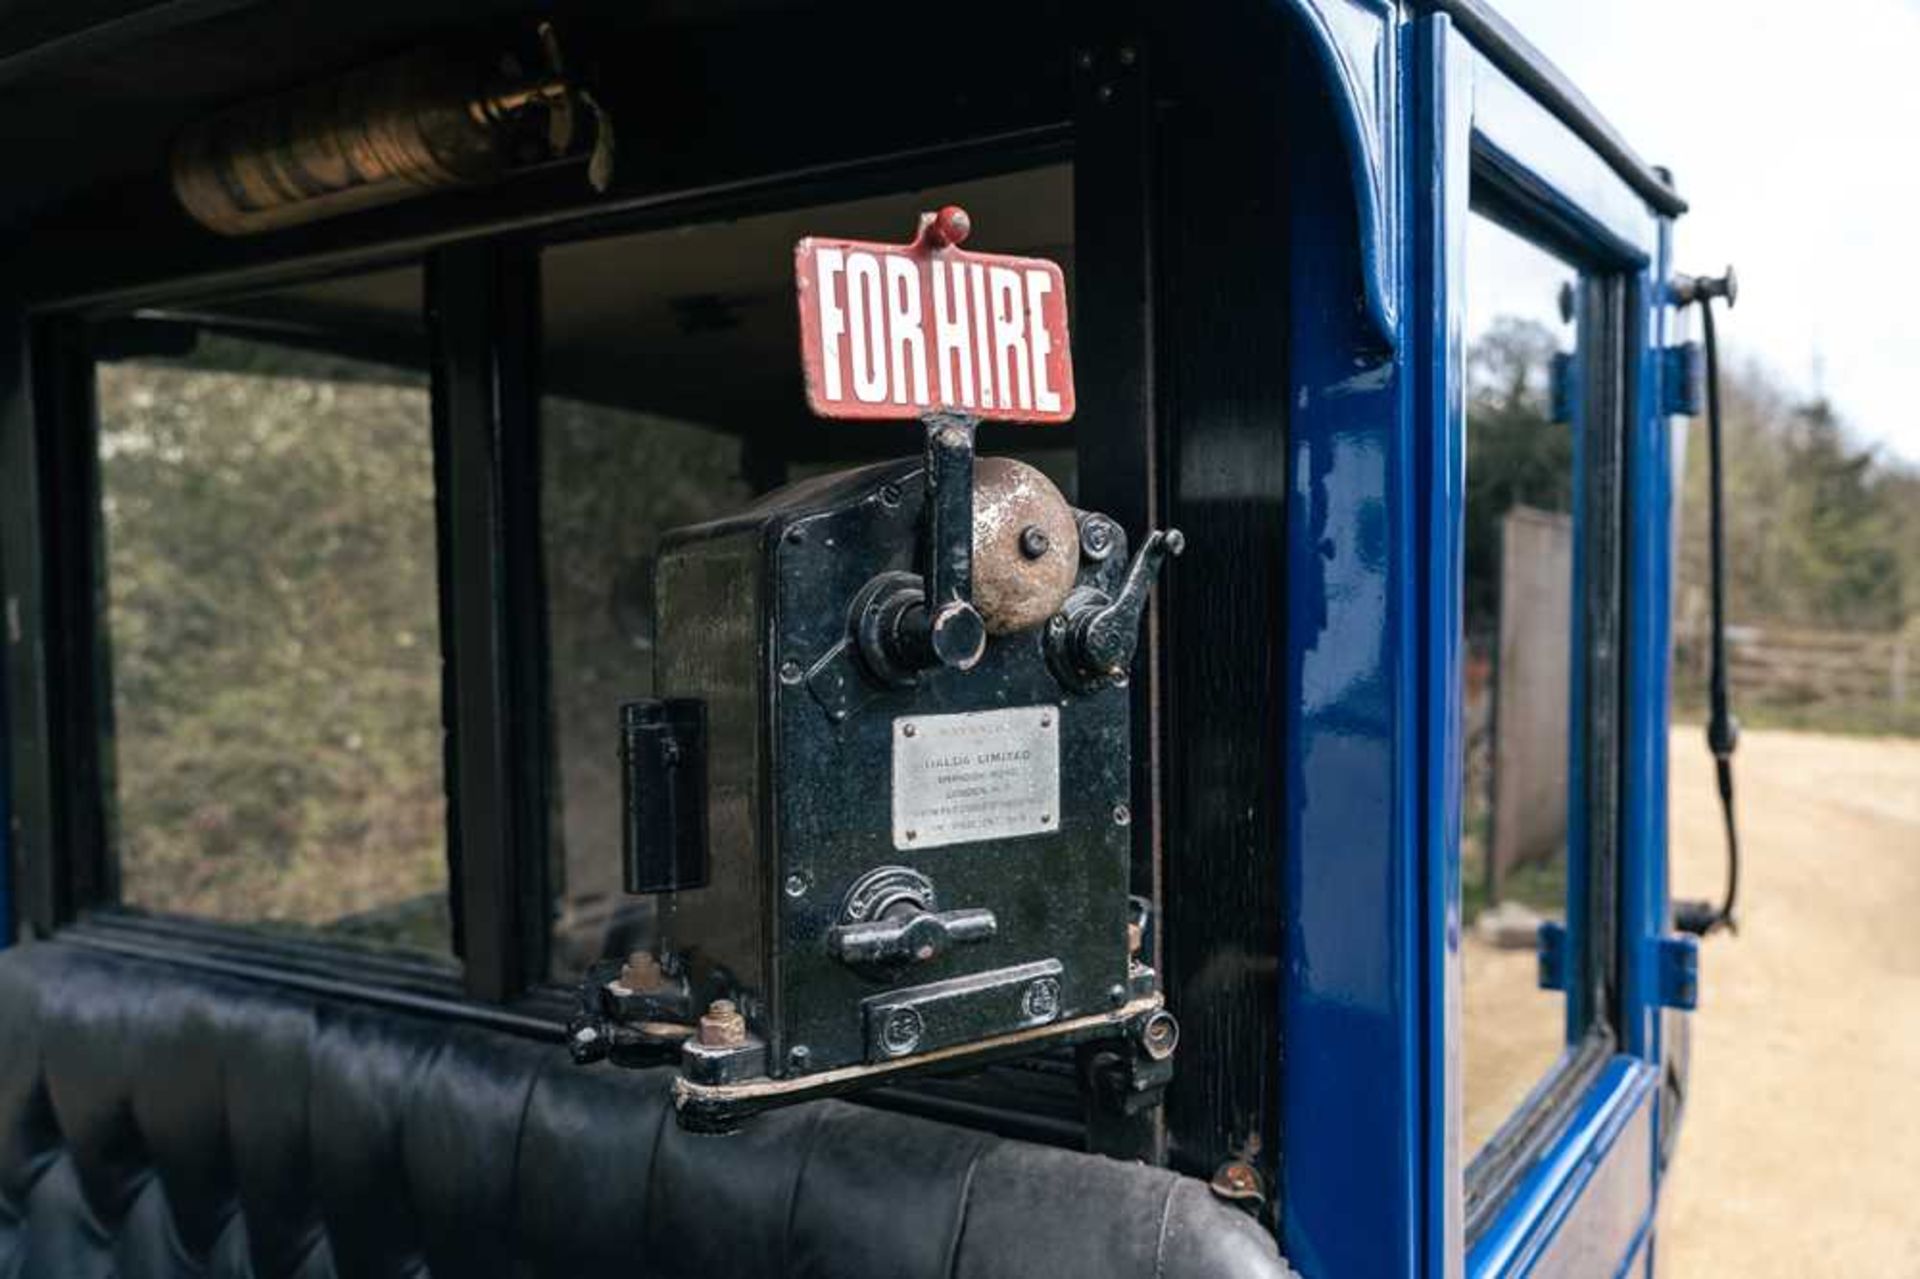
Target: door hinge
1551	946
1562	388
1681	379
1678	960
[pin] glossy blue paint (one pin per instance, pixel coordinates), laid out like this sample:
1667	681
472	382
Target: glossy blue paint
1551	949
1441	73
1371	1180
1681	379
1351	1090
1583	1213
1357	44
1651	496
1678	958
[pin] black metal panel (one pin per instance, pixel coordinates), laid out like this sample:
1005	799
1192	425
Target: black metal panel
58	695
1221	334
1118	470
482	308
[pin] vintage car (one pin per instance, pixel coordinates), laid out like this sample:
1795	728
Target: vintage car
749	638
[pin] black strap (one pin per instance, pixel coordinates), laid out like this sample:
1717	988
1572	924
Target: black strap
1723	730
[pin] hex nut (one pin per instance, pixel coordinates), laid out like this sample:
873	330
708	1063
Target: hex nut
722	1025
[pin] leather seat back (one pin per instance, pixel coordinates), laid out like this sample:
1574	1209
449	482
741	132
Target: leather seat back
158	1121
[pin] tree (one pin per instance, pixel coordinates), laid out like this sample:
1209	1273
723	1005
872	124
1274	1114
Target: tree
1516	454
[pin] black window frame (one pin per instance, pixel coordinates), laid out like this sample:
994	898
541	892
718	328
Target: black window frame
1135	100
1606	310
482	310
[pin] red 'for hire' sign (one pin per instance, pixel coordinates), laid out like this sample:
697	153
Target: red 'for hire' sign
902	330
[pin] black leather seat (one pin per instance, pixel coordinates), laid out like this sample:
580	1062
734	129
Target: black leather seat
159	1121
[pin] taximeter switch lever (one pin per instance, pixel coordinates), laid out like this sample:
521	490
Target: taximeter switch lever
949	532
1097	636
934	623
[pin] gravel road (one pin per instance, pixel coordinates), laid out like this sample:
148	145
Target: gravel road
1800	1153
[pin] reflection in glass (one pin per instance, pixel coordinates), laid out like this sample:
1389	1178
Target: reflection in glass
1519	651
273	626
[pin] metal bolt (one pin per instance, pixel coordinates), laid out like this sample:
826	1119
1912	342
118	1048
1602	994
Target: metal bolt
722	1026
799	1056
1041	1000
1096	538
908	730
1034	542
642	971
889	495
797	885
913	834
900	1033
1046	818
1046	721
1116	994
1160	1035
1236	1180
1122	815
790	672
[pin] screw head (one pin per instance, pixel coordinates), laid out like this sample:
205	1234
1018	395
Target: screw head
799	1056
798	884
908	730
889	494
1041	1000
1116	994
790	672
1122	815
1096	537
900	1033
1235	1180
1034	542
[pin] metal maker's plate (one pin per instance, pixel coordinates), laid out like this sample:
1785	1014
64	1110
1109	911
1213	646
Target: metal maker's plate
960	779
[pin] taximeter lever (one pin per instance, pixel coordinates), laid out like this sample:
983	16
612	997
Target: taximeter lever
1096	637
949	531
909	937
909	626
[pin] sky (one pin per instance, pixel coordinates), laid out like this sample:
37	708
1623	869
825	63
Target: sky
1793	132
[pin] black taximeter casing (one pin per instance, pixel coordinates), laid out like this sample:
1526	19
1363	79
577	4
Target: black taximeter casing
754	621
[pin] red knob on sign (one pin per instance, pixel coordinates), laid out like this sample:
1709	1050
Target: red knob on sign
950	226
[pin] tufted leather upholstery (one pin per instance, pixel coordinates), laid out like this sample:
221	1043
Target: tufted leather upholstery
158	1121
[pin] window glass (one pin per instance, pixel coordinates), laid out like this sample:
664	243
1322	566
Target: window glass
672	385
1520	652
266	478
